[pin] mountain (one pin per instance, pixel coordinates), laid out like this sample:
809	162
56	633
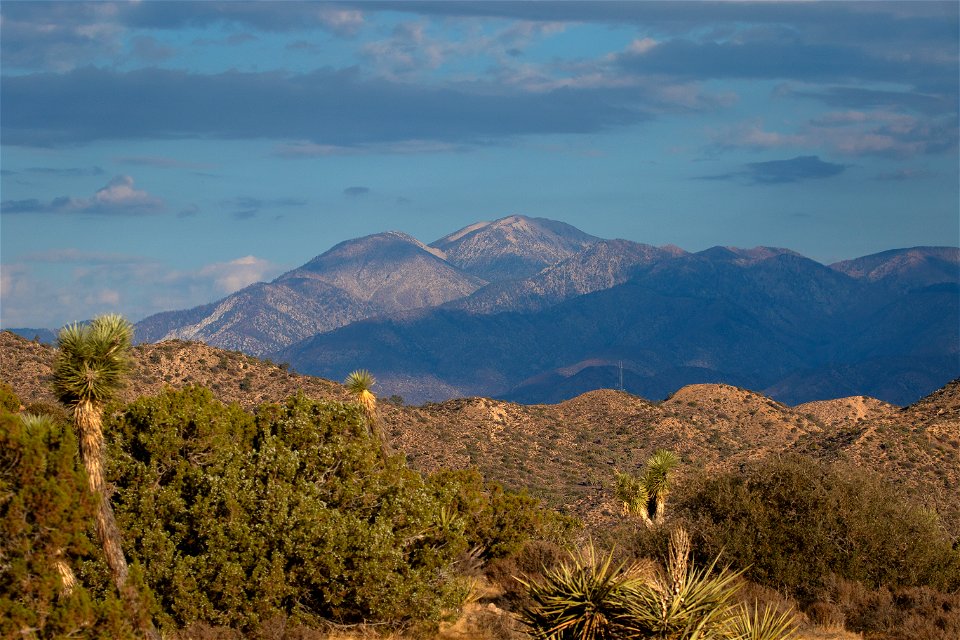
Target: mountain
382	273
601	265
46	336
534	310
566	452
906	268
511	248
764	318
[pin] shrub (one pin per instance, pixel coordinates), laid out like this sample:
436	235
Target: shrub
793	522
293	513
497	521
9	402
46	513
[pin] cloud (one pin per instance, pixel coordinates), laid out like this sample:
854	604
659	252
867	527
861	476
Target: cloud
234	275
118	197
851	133
247	207
149	49
162	162
325	107
770	172
752	135
70	172
87	284
903	174
356	192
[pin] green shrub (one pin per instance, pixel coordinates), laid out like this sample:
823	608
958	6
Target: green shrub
9	402
292	513
46	516
793	522
497	521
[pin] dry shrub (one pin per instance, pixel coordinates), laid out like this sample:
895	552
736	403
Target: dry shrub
529	563
827	616
910	613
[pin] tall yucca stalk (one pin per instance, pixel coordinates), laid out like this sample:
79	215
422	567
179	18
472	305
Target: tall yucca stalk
682	602
582	599
90	366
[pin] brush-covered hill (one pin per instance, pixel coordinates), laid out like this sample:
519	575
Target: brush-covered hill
566	452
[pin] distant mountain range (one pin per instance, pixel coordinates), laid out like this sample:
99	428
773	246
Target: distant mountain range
534	310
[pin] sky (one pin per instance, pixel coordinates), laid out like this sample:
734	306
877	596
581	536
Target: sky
160	155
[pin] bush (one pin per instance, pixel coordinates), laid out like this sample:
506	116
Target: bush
9	402
291	514
589	597
794	522
46	516
497	521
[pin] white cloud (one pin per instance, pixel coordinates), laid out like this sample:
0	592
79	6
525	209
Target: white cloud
76	285
117	197
236	274
641	46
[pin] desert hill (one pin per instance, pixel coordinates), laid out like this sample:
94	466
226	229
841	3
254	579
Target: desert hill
566	452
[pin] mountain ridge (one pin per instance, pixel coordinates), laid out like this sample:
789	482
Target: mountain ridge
564	309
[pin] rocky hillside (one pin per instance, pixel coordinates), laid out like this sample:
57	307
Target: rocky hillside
566	452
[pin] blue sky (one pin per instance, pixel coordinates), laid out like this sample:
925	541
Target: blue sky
160	155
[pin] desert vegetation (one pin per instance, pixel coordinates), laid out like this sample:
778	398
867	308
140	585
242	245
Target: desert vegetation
291	519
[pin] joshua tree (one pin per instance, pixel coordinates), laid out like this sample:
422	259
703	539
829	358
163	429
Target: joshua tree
90	366
646	496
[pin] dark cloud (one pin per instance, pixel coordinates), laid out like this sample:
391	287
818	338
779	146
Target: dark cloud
782	171
325	106
246	207
151	50
356	192
773	59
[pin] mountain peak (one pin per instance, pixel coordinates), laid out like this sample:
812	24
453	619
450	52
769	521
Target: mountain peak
511	247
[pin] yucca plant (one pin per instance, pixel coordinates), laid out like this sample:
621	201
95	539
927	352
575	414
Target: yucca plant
359	384
633	496
91	363
646	496
681	602
761	624
582	599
